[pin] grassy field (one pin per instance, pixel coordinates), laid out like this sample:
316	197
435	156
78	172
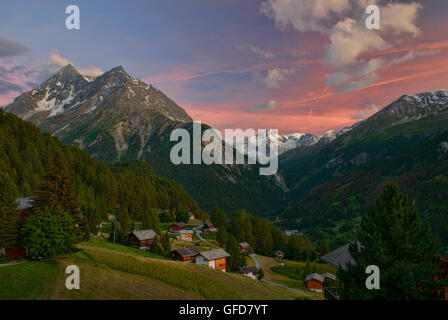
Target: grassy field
30	280
294	269
119	272
290	274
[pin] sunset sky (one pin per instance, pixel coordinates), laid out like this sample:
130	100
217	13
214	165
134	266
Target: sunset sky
294	65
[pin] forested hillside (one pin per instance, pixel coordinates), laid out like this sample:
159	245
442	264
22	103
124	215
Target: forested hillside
127	190
332	185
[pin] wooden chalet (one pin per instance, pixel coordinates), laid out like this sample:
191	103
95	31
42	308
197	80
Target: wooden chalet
314	282
23	207
249	271
178	226
210	229
215	259
444	266
185	235
186	254
142	239
191	216
243	246
279	254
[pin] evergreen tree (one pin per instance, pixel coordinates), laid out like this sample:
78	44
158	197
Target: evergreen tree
57	190
8	227
392	237
115	231
8	214
222	236
146	222
166	242
324	247
307	270
236	259
314	267
219	217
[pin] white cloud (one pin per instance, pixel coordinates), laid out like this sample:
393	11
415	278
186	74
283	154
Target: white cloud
401	17
348	40
21	77
266	54
365	113
304	15
274	77
60	61
343	21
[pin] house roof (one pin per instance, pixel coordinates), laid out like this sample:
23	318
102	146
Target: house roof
248	269
328	275
214	254
314	276
185	252
279	252
340	257
24	202
145	234
186	231
180	224
244	244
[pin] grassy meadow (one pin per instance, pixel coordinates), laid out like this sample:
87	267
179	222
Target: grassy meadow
119	272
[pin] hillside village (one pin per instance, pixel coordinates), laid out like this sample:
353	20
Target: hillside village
188	245
193	241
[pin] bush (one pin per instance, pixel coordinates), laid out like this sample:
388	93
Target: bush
48	233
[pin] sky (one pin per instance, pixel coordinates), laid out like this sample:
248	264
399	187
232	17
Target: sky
293	65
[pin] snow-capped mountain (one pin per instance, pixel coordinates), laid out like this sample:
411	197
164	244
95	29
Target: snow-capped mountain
291	141
104	117
117	118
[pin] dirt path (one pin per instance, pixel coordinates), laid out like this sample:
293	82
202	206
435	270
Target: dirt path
257	264
12	263
198	233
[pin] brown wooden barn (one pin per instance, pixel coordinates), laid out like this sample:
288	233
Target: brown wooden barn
176	227
313	282
243	246
23	206
185	254
215	259
444	266
142	239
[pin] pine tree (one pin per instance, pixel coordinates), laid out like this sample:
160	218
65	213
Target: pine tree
235	260
307	270
8	227
392	237
219	217
56	190
324	247
166	242
222	236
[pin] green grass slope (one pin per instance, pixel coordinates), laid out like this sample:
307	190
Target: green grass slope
117	273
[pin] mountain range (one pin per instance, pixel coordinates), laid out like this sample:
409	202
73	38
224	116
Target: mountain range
324	185
117	118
